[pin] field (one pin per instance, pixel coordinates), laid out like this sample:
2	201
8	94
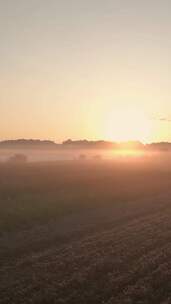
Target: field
85	232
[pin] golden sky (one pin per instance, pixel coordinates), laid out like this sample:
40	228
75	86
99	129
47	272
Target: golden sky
85	69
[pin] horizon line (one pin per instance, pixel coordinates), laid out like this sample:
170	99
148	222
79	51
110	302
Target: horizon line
84	140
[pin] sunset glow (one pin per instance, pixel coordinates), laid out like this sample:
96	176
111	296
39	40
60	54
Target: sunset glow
129	153
85	69
126	124
85	151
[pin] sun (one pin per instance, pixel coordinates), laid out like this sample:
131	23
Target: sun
124	124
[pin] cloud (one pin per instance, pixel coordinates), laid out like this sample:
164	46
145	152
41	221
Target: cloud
163	119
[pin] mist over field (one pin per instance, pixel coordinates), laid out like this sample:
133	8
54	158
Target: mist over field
51	155
85	152
86	231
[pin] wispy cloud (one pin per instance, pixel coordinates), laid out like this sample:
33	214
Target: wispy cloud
164	119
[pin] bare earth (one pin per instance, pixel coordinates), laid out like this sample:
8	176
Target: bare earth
85	232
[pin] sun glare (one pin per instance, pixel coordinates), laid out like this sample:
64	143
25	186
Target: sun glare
129	153
126	124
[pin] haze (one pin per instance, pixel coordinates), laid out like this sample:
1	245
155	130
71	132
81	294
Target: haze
65	66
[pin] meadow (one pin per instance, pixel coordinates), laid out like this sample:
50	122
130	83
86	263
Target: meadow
85	232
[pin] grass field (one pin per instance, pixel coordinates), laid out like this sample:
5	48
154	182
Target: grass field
85	233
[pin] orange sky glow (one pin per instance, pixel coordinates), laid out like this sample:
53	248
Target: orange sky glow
85	69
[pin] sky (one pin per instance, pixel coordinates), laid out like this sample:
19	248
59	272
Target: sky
90	69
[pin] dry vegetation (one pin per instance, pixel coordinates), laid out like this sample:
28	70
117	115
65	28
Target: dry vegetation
85	233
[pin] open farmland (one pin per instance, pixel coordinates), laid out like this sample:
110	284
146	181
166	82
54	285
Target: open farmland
85	233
